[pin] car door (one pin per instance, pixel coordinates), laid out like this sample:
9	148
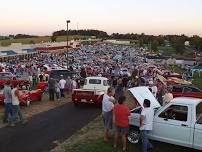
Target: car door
198	127
173	125
198	134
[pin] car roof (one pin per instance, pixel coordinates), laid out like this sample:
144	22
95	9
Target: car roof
186	100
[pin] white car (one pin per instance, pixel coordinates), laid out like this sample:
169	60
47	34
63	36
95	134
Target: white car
124	72
179	122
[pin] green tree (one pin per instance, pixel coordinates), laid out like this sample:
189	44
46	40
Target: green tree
196	42
154	45
179	46
53	38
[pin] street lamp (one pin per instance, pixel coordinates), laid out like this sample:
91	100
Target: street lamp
68	21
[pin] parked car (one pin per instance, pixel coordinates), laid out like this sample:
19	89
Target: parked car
5	76
185	91
124	72
26	97
92	92
179	122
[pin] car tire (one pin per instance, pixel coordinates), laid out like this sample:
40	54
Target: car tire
27	102
133	135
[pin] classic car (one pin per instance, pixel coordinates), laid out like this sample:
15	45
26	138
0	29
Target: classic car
179	122
26	97
185	91
92	91
5	76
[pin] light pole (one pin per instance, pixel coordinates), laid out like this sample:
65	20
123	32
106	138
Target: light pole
68	21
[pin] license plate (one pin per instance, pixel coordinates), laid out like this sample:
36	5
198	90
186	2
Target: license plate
83	100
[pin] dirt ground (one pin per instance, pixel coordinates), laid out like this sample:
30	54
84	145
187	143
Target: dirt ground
37	107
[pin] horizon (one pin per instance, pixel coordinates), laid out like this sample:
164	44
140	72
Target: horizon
157	17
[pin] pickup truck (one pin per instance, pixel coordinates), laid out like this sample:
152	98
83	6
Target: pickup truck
179	122
92	91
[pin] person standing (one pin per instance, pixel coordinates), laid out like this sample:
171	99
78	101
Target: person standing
51	89
74	84
153	88
69	84
57	90
62	84
146	124
16	105
107	111
119	89
7	102
121	113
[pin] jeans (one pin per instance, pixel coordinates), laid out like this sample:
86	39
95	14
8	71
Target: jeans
51	94
146	145
8	112
16	111
62	92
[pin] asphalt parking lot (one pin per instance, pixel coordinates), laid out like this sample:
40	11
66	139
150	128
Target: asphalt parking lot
44	130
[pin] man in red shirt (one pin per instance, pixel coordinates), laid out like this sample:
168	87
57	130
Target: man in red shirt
121	113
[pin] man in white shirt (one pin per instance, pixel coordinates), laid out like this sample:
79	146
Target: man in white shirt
153	88
107	111
146	124
62	84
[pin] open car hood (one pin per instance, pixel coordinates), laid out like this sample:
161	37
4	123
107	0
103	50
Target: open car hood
141	93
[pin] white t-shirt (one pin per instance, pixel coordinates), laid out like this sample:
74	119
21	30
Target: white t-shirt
147	123
62	83
15	100
107	105
74	84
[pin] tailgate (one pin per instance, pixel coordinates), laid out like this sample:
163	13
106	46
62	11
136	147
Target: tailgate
84	92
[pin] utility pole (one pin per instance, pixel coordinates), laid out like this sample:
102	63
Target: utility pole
68	21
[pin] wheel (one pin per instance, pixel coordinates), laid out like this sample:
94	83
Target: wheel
27	102
133	135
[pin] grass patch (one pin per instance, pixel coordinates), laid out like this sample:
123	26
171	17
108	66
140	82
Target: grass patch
99	146
166	49
40	39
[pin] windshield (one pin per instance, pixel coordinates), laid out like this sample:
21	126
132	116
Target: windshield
94	81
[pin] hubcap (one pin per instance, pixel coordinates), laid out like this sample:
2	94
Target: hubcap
133	137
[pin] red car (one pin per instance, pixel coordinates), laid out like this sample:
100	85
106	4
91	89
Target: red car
42	85
185	91
5	76
26	97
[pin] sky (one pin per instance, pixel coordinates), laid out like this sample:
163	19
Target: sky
42	17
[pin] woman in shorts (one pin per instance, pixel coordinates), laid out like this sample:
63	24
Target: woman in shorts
121	113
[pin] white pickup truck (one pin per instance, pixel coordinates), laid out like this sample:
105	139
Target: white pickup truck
179	122
92	91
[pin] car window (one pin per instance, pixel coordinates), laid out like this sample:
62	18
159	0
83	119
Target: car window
94	81
105	83
175	112
186	89
177	89
199	112
199	121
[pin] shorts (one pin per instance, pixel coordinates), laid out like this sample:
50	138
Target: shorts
122	130
107	119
